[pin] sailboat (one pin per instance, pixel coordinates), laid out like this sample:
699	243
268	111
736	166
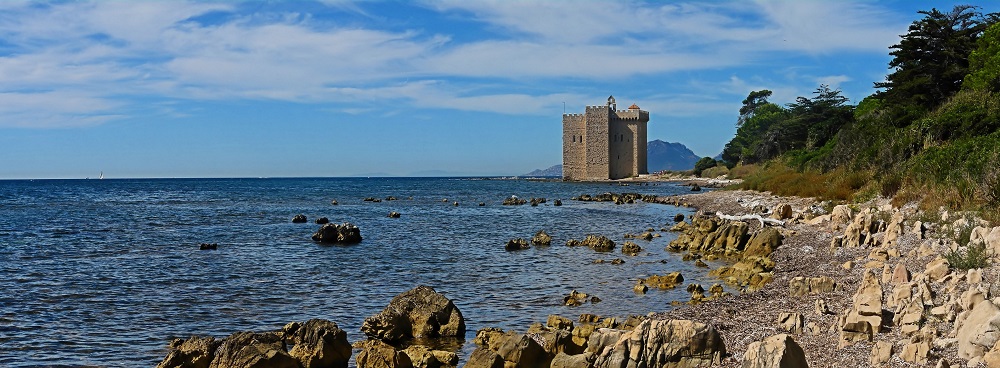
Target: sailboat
102	175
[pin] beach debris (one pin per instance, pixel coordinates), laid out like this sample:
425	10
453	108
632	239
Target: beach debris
763	221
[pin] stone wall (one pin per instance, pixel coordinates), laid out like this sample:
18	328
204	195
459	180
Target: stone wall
596	140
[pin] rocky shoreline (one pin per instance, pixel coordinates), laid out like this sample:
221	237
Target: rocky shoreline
822	286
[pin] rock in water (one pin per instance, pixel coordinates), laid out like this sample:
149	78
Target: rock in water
377	354
318	343
541	238
345	233
599	243
631	248
322	221
778	351
300	219
516	244
420	312
196	352
394	214
253	350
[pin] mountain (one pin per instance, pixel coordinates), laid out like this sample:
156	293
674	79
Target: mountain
555	170
662	155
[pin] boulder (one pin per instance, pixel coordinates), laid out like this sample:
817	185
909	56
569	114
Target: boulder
522	351
559	323
881	353
679	217
791	322
423	357
516	244
763	242
419	312
195	352
937	269
318	343
394	214
778	351
664	343
864	318
557	203
345	233
491	338
300	219
575	298
801	286
322	220
563	360
208	246
979	331
541	238
782	212
377	354
630	248
599	243
668	281
514	201
253	350
840	216
484	358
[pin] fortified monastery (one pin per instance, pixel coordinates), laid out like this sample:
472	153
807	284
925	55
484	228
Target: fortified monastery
604	143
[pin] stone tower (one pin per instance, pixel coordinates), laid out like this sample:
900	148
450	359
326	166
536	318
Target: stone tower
604	143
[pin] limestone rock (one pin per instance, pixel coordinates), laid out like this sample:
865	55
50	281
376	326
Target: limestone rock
419	312
900	275
791	322
881	353
840	216
599	243
800	286
377	354
864	318
318	343
631	248
782	212
195	352
778	351
491	338
253	350
516	244
541	238
484	358
763	242
563	360
559	323
345	233
665	343
668	281
575	298
523	351
423	357
980	331
937	269
916	351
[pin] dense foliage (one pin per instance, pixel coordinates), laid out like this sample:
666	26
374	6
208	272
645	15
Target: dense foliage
932	133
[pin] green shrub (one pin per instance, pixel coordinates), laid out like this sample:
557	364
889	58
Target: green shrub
969	257
702	164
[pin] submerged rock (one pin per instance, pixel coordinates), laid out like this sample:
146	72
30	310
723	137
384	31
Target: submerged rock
300	219
207	246
599	243
541	238
322	220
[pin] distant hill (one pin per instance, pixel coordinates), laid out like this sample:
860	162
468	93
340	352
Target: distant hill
662	155
555	170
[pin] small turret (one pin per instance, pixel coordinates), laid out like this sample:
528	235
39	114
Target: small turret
611	103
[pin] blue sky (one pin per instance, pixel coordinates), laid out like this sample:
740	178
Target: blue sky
341	88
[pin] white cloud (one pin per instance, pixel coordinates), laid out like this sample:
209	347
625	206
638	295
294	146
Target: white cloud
99	55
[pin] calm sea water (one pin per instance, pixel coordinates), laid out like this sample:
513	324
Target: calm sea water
106	272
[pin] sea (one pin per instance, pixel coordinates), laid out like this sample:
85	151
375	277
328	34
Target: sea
107	272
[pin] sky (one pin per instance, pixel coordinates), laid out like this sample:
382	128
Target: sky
415	88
